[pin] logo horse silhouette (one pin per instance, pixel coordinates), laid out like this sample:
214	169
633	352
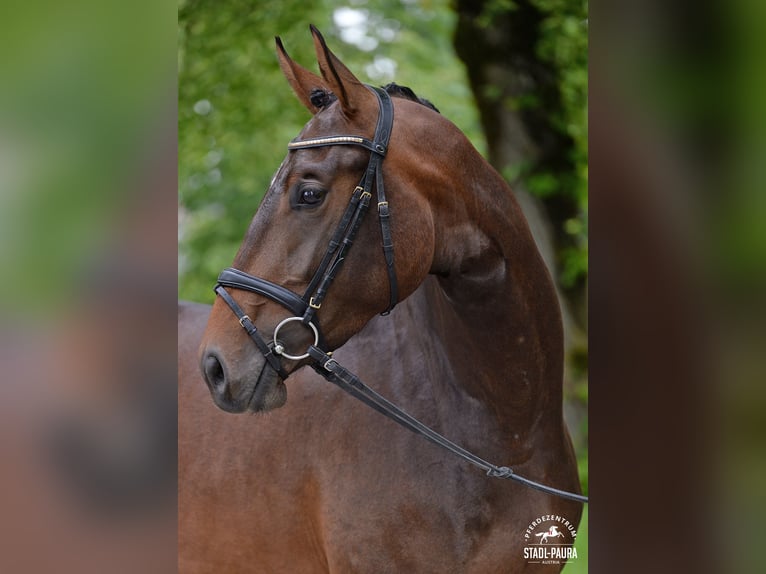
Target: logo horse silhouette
553	532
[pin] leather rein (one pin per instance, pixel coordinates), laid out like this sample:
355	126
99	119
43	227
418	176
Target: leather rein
304	307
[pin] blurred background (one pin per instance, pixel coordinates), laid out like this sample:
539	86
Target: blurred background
677	285
88	205
98	217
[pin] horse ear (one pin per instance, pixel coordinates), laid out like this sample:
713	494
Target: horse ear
300	79
350	91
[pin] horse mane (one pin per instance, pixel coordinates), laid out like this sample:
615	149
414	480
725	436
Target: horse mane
321	98
397	91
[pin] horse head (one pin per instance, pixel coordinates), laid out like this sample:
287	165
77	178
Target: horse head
306	203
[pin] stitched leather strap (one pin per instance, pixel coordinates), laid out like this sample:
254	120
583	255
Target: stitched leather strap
388	244
328	274
334	243
335	373
237	279
251	330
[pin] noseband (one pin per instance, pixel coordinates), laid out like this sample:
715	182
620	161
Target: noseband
304	307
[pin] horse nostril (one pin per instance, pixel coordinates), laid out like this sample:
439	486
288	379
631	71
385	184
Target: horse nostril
213	371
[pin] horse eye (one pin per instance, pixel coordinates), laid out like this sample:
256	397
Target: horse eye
311	196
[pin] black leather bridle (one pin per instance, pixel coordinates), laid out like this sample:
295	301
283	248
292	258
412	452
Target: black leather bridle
304	307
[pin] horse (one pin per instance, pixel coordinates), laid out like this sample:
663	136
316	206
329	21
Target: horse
442	304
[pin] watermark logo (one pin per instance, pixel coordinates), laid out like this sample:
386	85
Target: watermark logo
549	539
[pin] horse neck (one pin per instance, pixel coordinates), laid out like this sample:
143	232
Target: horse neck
495	305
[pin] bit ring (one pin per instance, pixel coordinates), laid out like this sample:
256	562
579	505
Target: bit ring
278	345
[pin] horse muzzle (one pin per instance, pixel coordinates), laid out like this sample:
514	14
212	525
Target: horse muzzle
256	387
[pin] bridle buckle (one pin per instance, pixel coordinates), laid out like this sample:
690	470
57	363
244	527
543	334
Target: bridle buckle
329	364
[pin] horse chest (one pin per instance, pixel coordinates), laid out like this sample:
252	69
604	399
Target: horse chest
384	500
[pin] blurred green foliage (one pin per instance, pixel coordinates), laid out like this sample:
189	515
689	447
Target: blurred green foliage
564	45
83	107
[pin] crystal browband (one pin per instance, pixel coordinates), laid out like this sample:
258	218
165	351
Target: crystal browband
326	141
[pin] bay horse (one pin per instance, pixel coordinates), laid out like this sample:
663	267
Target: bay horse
469	340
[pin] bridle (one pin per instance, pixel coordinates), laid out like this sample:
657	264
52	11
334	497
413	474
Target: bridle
304	307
